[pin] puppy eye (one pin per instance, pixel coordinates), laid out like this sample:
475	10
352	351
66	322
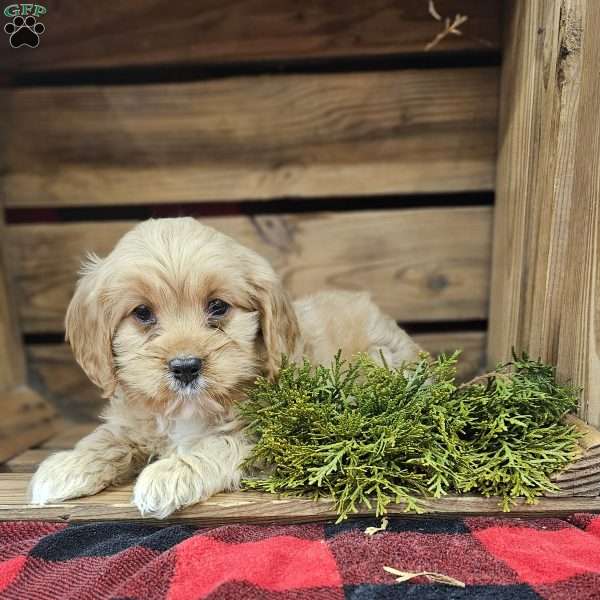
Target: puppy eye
144	314
218	308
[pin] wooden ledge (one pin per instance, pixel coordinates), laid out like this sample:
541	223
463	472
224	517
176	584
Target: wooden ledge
579	492
252	507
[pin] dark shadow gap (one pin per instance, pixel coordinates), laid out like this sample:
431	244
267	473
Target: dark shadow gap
199	72
413	328
15	216
43	338
470	325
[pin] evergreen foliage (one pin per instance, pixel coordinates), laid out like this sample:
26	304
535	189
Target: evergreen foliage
363	433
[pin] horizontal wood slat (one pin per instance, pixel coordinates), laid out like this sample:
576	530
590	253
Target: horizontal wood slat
253	507
92	34
413	131
62	380
12	363
472	344
27	462
69	434
420	265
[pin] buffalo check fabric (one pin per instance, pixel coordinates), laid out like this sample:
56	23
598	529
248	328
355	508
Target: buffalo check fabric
496	558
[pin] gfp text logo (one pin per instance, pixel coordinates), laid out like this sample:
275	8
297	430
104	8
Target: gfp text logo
24	29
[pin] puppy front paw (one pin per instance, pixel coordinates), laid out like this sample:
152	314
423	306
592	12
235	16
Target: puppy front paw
69	474
166	486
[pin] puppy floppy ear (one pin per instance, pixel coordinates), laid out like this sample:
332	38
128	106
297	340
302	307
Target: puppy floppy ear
89	327
278	323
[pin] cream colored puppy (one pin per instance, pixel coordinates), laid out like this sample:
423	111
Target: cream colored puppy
173	326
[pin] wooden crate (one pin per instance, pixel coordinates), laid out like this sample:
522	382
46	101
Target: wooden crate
327	138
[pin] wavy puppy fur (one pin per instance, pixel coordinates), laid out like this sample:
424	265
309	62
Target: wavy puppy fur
151	302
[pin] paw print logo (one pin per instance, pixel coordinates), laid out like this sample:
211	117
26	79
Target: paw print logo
24	32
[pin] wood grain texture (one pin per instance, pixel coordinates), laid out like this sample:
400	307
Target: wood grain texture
546	276
582	476
26	462
255	138
68	434
252	507
579	336
12	357
89	34
419	265
62	380
472	343
27	419
590	441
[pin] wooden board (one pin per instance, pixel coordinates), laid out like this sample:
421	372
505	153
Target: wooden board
546	274
420	265
408	131
68	435
472	343
27	419
579	489
55	371
534	180
579	338
251	507
582	476
89	34
12	357
27	462
62	380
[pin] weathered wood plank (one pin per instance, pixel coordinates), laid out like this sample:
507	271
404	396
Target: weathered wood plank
579	337
420	265
72	392
12	357
546	274
472	343
63	381
407	131
27	419
88	34
68	434
590	440
582	476
26	462
252	507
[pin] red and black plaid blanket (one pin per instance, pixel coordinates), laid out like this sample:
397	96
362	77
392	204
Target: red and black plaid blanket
497	559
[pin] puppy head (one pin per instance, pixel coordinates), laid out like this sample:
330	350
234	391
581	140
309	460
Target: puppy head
179	315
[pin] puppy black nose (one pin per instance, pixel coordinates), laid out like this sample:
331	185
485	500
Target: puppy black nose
185	369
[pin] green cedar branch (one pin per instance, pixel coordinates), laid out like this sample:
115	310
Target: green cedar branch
368	435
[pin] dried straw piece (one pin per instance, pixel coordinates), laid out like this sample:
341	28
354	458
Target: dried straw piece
433	12
373	530
450	27
434	577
